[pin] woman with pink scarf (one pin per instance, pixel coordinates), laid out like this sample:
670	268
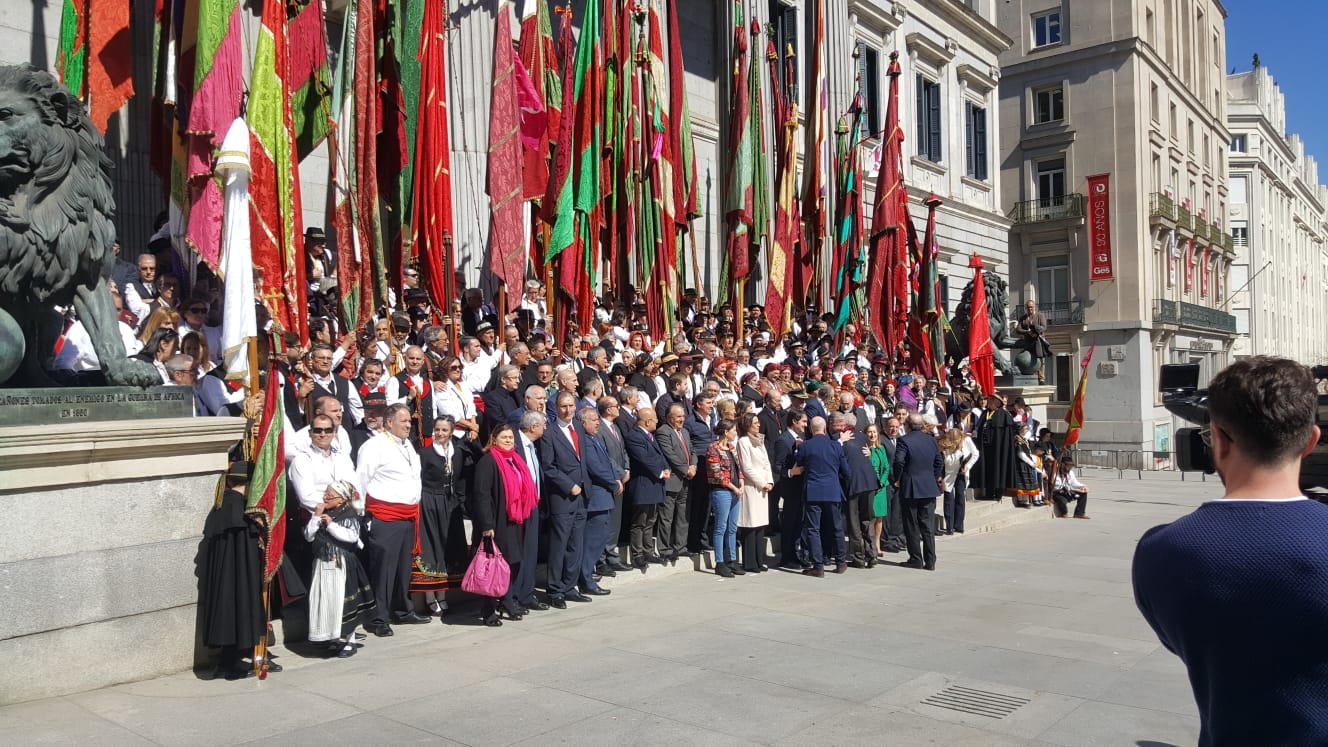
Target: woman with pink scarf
502	496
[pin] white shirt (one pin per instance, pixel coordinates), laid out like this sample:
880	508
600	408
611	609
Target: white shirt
77	352
531	457
216	395
454	399
962	459
398	395
135	302
311	471
475	374
389	470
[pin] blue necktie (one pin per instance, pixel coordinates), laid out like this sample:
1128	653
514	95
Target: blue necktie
534	465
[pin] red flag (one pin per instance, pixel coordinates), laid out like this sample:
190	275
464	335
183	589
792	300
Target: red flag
110	64
816	156
507	250
785	237
1075	417
432	201
274	191
980	347
739	196
888	252
538	60
266	499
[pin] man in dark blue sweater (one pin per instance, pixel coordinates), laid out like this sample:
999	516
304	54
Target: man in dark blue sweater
1238	589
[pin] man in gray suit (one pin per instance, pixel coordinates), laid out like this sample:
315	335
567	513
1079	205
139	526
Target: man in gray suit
894	518
671	527
612	436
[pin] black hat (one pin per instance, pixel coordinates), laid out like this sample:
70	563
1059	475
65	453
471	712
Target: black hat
799	394
418	313
240	469
314	233
374	399
689	293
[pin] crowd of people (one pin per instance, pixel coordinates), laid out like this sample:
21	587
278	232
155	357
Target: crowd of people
592	452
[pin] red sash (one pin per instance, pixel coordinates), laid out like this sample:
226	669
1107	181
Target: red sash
385	511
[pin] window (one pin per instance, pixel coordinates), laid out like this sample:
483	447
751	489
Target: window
1240	234
1048	105
784	25
975	118
1051	182
1053	287
869	68
1189	135
929	119
1047	28
1237	185
1152	103
1061	377
1207	151
1149	28
1239	144
1172	122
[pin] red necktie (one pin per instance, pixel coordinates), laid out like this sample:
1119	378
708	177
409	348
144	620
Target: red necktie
686	455
576	442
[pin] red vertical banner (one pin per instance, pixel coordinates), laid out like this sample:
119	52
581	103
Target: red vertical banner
1205	269
1189	264
1099	228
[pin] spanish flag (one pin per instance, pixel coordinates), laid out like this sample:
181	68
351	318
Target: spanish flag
1075	417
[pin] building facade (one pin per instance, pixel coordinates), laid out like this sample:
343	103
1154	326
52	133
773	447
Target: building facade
1128	97
1279	219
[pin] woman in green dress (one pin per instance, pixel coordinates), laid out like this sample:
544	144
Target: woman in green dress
880	502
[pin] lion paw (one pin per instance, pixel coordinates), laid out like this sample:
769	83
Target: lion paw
132	372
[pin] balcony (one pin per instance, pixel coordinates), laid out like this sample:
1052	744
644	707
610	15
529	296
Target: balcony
1062	312
1162	206
1192	315
1225	240
1183	218
1200	228
1061	207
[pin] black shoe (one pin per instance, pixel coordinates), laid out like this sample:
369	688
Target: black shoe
382	631
640	564
723	570
558	603
493	621
929	567
534	604
576	596
893	548
857	564
814	572
911	564
687	554
618	565
347	651
512	610
737	569
411	618
607	572
657	560
238	672
597	592
841	568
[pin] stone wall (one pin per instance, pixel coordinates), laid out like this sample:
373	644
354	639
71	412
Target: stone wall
97	567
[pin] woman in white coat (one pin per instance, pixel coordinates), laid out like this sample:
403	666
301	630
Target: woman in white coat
754	503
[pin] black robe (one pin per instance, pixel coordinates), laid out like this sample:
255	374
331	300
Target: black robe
488	509
443	546
230	604
994	473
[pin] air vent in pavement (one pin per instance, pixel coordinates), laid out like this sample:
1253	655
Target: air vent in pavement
977	702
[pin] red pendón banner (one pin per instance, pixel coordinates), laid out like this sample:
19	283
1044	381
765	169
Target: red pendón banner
1099	228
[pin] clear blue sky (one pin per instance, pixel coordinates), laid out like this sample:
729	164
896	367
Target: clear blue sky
1289	36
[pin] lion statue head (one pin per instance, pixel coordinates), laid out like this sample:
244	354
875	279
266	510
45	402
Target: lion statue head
998	298
56	233
55	192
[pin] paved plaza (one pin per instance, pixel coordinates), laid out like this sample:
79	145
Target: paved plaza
1024	636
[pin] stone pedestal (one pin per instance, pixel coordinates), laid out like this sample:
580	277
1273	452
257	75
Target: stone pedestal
97	562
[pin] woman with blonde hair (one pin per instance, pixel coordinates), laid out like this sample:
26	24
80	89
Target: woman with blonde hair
162	317
960	455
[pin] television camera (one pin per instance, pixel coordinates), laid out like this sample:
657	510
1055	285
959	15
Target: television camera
1181	395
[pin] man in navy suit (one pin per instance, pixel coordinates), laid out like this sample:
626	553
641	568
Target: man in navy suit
822	459
536	400
604	483
701	419
919	471
789	486
561	451
860	487
645	491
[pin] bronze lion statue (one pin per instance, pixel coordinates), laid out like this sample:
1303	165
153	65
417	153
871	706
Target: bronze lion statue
998	297
55	231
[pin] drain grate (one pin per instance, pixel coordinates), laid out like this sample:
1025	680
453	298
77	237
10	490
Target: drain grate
977	702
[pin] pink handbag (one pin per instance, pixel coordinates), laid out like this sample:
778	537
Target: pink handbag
488	574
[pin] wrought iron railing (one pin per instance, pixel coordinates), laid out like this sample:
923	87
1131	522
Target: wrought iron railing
1195	315
1059	207
1183	217
1062	312
1166	311
1162	206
